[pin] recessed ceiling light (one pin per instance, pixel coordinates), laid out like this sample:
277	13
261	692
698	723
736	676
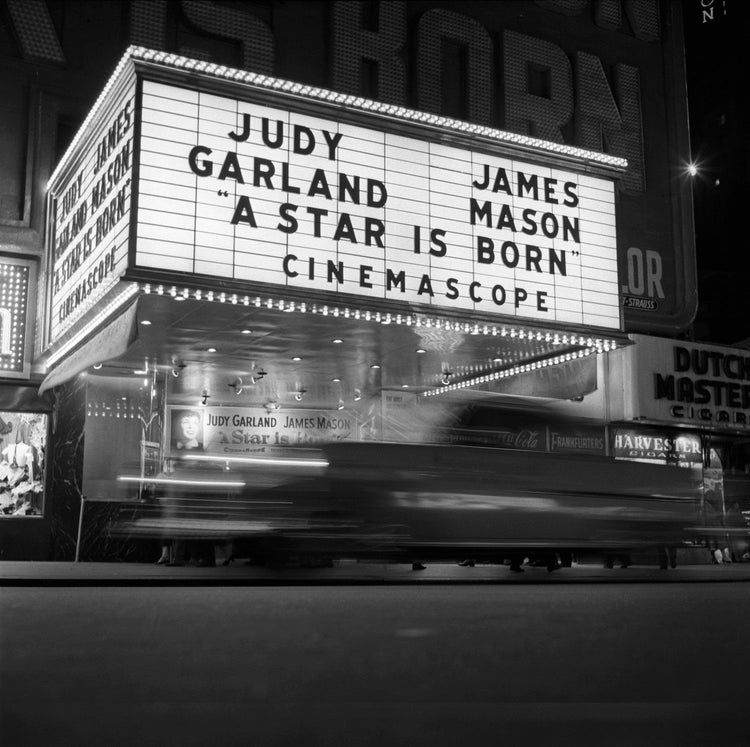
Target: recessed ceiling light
246	331
145	322
337	341
336	379
212	350
421	350
375	365
404	386
296	358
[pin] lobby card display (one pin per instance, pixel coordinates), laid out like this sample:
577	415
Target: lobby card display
253	431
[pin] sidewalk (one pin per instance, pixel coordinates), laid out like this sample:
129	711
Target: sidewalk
34	573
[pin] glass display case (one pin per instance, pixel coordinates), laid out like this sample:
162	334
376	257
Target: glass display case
23	443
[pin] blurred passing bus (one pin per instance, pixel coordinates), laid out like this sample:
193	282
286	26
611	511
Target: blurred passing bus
486	478
486	481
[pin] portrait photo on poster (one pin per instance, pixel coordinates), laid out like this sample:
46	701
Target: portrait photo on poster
186	430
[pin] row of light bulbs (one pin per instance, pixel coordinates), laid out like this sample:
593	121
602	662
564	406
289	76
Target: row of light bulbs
380	108
376	107
506	372
272	405
475	328
589	344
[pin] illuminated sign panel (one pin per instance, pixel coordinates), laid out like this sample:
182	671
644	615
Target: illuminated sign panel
242	188
16	299
688	383
236	432
243	191
577	439
90	211
664	447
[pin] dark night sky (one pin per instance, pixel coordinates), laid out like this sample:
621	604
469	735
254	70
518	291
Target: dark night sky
717	53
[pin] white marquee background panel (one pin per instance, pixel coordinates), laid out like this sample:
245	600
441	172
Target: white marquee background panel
185	223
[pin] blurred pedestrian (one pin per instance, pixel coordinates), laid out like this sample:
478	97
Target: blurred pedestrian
166	553
548	560
153	495
610	558
737	535
667	556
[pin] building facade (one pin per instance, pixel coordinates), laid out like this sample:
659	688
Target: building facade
298	219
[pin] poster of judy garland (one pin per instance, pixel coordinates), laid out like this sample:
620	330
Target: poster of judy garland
253	431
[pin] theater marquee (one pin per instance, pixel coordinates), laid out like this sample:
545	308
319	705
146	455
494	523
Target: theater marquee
89	214
224	175
238	190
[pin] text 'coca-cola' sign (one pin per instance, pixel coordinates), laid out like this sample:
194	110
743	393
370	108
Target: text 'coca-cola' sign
532	438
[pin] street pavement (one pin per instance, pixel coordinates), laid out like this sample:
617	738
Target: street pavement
59	573
415	664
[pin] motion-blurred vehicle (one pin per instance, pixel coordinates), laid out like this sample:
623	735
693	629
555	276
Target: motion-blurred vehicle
468	490
200	497
479	480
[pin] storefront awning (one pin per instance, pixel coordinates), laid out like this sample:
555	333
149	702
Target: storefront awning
109	342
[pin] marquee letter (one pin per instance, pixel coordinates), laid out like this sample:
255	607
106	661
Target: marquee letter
232	23
600	120
436	29
365	53
35	31
243	213
540	106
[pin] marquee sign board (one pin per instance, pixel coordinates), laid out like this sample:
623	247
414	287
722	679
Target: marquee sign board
245	191
228	180
89	213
